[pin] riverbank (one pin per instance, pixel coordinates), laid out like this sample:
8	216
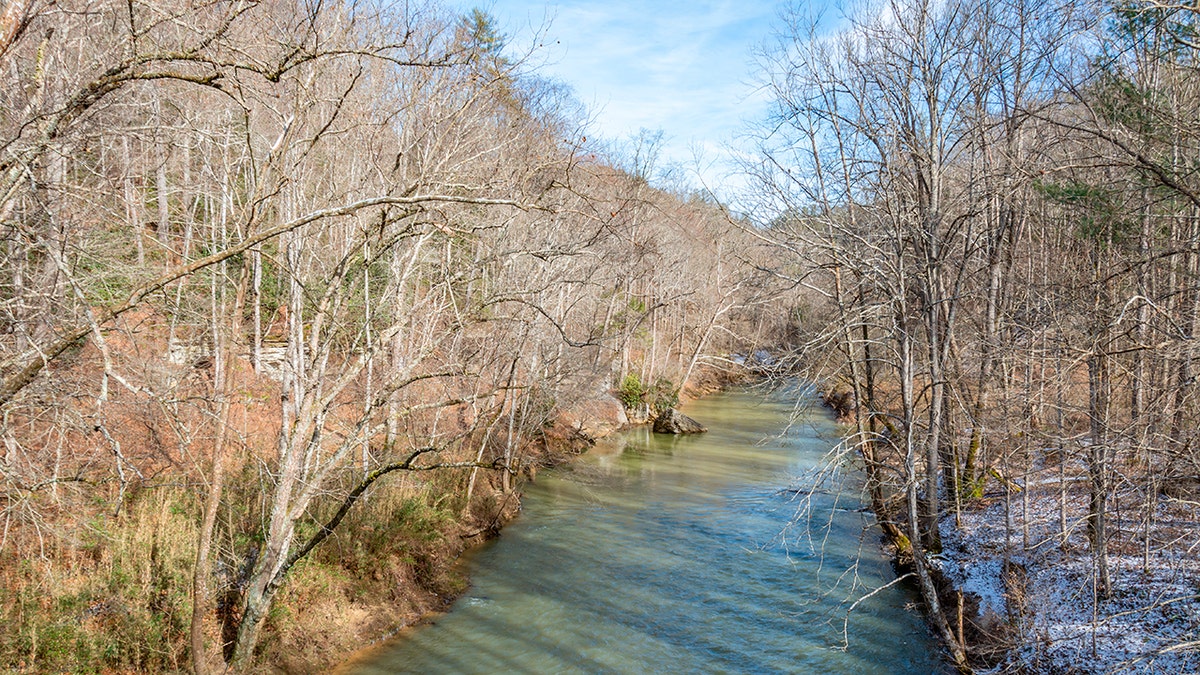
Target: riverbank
1019	583
333	612
338	620
1021	558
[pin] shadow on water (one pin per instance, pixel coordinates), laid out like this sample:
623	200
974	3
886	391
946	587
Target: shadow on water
664	554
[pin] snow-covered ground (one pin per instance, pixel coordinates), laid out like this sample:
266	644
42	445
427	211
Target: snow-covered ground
1151	624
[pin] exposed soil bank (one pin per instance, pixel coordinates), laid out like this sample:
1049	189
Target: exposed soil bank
328	618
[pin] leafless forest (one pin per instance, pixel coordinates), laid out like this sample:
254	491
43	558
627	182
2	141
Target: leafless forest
294	295
266	266
999	204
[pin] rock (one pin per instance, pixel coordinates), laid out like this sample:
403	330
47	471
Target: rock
671	421
596	416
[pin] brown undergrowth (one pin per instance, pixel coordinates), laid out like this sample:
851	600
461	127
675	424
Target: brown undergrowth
392	564
110	593
103	505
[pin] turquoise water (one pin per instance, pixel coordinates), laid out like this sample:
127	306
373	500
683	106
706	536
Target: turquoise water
656	554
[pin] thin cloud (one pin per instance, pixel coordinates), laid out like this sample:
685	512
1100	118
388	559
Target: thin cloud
681	67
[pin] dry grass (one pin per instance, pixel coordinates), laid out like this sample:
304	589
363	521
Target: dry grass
112	596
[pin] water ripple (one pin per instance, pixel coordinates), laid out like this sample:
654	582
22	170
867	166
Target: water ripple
680	555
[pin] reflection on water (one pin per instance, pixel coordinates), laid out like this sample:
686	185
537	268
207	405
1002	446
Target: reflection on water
663	554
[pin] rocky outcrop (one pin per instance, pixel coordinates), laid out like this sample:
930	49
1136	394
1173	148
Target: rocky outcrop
671	421
595	417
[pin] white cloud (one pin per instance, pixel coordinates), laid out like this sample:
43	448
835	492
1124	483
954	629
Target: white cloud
682	67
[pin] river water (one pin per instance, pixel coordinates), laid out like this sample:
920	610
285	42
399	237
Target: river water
656	554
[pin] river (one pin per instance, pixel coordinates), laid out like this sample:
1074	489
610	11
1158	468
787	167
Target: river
657	554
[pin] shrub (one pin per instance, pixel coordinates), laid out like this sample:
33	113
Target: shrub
631	391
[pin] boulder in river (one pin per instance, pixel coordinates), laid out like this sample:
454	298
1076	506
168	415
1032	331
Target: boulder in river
671	421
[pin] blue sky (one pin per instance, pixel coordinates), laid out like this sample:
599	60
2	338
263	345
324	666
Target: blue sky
683	67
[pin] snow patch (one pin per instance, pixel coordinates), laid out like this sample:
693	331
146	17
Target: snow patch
1151	622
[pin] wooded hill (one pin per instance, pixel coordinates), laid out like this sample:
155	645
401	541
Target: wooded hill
1000	202
293	293
267	266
